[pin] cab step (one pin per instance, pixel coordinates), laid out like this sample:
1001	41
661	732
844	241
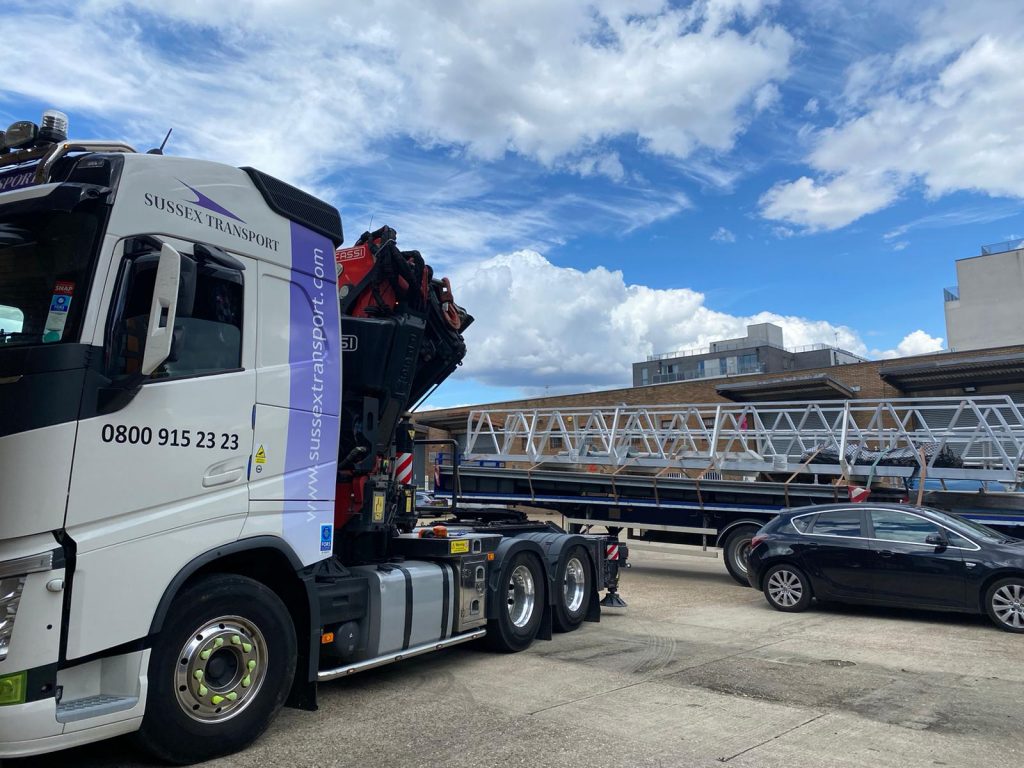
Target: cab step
93	706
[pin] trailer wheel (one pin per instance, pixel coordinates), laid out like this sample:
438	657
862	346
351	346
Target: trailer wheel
521	599
736	547
573	584
220	670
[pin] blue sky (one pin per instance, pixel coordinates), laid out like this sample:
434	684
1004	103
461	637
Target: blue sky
601	180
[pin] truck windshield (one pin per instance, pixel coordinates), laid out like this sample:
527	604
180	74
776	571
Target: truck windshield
45	268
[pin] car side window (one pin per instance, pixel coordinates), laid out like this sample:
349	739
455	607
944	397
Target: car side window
207	329
838	522
803	523
956	540
891	525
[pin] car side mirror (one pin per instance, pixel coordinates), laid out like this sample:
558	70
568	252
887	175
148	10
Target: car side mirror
937	540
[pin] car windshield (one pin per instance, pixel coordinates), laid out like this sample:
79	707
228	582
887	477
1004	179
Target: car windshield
45	267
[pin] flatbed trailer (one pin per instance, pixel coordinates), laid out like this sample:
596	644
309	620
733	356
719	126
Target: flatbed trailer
702	478
696	516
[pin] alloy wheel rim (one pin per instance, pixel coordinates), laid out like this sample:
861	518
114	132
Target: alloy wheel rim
740	558
785	588
574	584
521	596
220	669
1008	605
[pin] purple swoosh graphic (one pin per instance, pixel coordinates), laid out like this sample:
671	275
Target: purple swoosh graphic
205	202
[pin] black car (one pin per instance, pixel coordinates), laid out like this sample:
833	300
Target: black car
889	554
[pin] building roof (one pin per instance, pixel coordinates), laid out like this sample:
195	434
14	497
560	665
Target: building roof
955	372
811	387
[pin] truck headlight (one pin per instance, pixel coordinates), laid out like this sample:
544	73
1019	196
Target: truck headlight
10	595
12	583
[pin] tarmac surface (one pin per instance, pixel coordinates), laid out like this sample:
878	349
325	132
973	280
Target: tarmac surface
697	671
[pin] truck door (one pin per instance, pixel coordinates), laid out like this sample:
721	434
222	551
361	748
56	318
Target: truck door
160	477
298	399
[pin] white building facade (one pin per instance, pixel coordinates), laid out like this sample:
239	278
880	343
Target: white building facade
986	308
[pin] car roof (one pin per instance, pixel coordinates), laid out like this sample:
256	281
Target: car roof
928	511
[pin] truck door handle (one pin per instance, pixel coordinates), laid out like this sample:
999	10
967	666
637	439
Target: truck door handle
221	474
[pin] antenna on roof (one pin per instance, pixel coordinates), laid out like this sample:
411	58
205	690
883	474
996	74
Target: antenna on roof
160	150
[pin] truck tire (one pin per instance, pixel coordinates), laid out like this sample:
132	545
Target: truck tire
735	549
573	586
220	670
520	604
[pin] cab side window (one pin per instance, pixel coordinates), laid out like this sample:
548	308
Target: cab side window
207	328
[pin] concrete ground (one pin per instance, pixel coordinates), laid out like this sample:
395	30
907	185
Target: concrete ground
697	671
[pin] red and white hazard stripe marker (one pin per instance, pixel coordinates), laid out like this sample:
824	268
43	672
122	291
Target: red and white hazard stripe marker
403	468
859	494
611	551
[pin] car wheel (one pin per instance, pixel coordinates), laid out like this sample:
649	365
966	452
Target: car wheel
1004	602
736	548
787	589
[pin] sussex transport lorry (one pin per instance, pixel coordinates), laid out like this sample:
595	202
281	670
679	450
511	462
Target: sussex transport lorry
203	508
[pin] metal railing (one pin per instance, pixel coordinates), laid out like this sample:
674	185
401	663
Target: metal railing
752	344
715	349
740	370
986	434
1003	247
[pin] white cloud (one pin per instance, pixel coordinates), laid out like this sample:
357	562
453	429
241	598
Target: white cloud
550	326
767	97
600	165
723	235
303	86
941	112
811	107
828	205
916	343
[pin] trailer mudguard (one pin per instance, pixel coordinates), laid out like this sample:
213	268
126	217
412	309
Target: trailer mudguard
510	547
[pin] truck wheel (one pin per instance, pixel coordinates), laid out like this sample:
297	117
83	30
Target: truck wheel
736	547
573	584
220	670
1004	602
520	599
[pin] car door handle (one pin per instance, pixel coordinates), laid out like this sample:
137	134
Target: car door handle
885	553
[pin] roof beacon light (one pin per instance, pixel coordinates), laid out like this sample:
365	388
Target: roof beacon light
21	134
53	127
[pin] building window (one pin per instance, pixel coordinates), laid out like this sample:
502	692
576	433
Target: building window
645	376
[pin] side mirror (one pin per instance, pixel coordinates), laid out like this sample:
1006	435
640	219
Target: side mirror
937	540
162	311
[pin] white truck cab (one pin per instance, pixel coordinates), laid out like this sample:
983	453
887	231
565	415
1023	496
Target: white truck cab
182	550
